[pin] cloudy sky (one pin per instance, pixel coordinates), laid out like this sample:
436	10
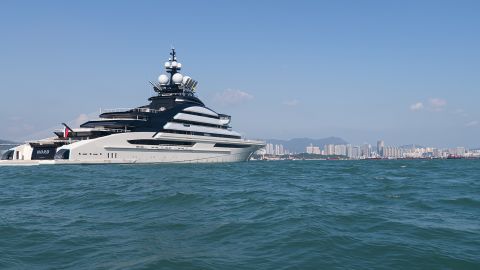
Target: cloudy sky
402	71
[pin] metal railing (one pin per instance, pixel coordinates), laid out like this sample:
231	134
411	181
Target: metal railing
147	110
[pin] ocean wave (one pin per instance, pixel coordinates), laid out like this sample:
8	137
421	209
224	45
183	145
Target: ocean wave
267	215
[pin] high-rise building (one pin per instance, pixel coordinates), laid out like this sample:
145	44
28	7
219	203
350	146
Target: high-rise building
380	146
392	152
269	149
356	152
310	149
277	150
340	150
367	150
313	150
349	151
329	149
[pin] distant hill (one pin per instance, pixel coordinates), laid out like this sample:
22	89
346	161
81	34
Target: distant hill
7	142
7	146
299	145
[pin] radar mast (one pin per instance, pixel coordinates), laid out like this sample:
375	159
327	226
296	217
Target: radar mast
176	83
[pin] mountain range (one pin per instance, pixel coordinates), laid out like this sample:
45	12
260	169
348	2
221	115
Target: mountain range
7	142
298	145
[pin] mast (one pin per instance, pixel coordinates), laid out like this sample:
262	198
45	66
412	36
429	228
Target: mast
172	69
176	83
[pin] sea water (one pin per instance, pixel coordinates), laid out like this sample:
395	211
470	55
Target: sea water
377	214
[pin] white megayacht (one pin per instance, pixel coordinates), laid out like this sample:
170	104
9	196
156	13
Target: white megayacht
176	127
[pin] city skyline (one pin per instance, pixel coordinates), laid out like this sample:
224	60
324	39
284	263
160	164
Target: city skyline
406	72
382	142
367	151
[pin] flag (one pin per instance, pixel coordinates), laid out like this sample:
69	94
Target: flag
66	132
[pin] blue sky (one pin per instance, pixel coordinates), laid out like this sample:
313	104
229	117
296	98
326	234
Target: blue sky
402	71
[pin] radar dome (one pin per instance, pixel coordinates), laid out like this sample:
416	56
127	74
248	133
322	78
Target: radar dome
177	78
163	79
185	78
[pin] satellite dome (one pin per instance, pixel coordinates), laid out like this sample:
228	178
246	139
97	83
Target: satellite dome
185	78
163	79
177	78
174	64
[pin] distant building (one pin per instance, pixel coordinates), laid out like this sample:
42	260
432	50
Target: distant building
356	152
269	149
313	150
458	151
329	149
340	150
275	150
392	152
367	150
380	146
309	149
349	149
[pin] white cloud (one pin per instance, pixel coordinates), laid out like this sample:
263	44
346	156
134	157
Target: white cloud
433	105
416	106
472	123
232	97
437	104
460	112
291	103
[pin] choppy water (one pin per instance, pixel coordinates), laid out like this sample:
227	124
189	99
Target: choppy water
256	215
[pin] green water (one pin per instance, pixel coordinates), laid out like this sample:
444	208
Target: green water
255	215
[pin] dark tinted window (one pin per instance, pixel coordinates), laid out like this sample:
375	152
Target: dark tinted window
161	142
63	154
7	155
230	145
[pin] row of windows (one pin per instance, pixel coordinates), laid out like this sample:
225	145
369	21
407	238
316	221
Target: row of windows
161	142
188	123
200	134
201	114
109	155
90	154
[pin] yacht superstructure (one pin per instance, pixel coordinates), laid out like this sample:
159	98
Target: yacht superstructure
175	126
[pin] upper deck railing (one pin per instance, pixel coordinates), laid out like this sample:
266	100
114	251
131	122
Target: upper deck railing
117	110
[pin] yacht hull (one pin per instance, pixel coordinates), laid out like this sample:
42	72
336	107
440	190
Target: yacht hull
119	149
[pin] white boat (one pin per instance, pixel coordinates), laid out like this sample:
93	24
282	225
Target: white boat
175	127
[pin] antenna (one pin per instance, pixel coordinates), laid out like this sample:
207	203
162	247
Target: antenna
154	86
173	54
